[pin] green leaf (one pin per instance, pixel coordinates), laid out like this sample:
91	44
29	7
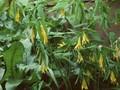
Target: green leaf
40	11
12	57
40	85
12	9
53	76
12	84
2	3
23	2
1	73
1	87
60	5
112	37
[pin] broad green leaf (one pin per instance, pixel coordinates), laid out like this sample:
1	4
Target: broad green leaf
60	5
2	3
23	2
12	9
12	57
112	37
1	87
1	73
40	85
53	76
40	11
12	84
37	86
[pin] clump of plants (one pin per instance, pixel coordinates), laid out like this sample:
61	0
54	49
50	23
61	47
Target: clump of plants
54	44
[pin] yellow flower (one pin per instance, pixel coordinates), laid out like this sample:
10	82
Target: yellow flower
84	85
117	53
33	36
85	39
101	61
78	45
61	45
17	16
43	68
79	58
62	12
112	77
89	74
92	58
43	34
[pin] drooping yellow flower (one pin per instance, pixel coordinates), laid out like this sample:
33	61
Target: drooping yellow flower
84	85
112	77
33	36
17	16
117	53
78	45
43	68
88	73
92	58
62	12
43	34
79	57
101	62
85	39
61	45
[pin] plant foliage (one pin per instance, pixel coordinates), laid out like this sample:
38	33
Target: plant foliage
54	44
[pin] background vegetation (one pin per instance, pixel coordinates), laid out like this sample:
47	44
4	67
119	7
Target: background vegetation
55	44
